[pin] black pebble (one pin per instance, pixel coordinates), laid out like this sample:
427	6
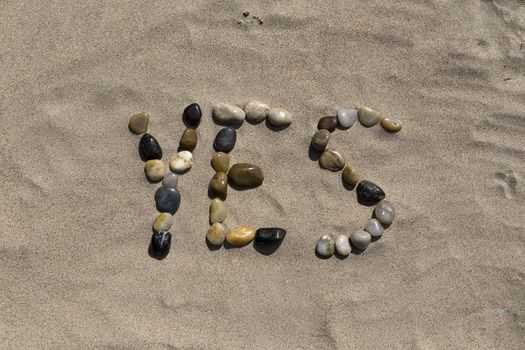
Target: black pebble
192	114
161	242
369	193
149	148
225	140
269	235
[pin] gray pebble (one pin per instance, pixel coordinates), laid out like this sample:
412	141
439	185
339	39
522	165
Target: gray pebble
170	180
224	113
375	228
385	212
360	239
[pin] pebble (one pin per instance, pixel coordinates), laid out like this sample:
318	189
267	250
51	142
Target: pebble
138	124
163	222
149	148
279	117
331	160
327	123
192	114
154	170
218	211
219	185
367	116
170	180
167	199
225	140
349	175
270	235
342	245
245	175
161	242
391	124
347	117
360	239
385	212
181	162
217	233
375	228
240	235
369	193
188	140
256	111
224	113
326	245
320	140
220	162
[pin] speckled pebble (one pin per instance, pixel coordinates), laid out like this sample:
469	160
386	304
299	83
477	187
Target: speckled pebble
256	111
181	162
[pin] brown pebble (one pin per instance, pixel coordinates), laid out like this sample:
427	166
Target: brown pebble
138	124
220	161
188	141
219	185
331	160
349	175
327	123
391	124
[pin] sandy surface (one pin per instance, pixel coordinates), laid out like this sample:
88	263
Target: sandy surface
76	210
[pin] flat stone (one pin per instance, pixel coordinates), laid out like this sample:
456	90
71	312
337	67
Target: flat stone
219	185
375	228
270	235
216	234
167	200
326	245
256	111
349	175
360	239
188	140
181	162
327	123
170	180
161	242
225	140
320	140
368	117
342	245
245	175
149	148
347	117
331	160
369	193
220	162
385	212
227	114
192	114
279	117
154	170
218	211
138	124
391	124
163	222
240	235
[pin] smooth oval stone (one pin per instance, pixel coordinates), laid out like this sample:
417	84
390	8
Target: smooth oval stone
347	117
385	212
138	124
218	211
326	245
170	180
220	162
391	124
181	162
256	111
163	222
149	148
219	185
216	233
369	193
188	140
154	170
349	175
225	140
331	160
342	245
240	235
360	239
245	175
192	114
161	242
224	113
279	117
327	123
320	140
368	117
375	228
269	235
167	199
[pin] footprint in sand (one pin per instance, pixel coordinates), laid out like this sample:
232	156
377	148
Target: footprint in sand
507	181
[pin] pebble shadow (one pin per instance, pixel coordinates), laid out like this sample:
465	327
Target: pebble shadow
346	185
212	194
156	255
319	256
366	204
228	124
266	249
313	154
340	257
273	127
211	247
241	188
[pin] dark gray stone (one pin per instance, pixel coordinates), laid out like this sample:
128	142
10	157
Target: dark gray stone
368	193
225	140
167	200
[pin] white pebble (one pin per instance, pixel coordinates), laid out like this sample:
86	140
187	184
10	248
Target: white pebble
375	228
342	245
279	117
181	162
347	117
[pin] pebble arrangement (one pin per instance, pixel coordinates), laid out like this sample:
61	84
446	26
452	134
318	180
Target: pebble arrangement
367	192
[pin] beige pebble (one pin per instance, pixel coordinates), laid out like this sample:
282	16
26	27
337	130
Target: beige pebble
163	222
256	111
331	160
218	210
367	116
342	245
138	124
391	124
350	175
279	117
240	235
216	233
155	170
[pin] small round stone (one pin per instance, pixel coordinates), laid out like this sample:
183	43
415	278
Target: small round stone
138	124
347	117
218	211
224	113
188	140
368	117
149	148
220	162
342	245
320	140
279	117
349	175
391	124
245	175
167	200
163	222
360	239
170	180
225	140
331	160
385	212
256	111
154	169
326	245
219	185
192	114
181	162
369	193
216	233
240	235
327	123
161	242
375	228
269	235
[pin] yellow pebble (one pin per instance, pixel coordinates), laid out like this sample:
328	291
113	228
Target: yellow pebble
240	235
163	222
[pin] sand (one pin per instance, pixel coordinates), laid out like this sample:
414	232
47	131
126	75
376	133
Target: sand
77	210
